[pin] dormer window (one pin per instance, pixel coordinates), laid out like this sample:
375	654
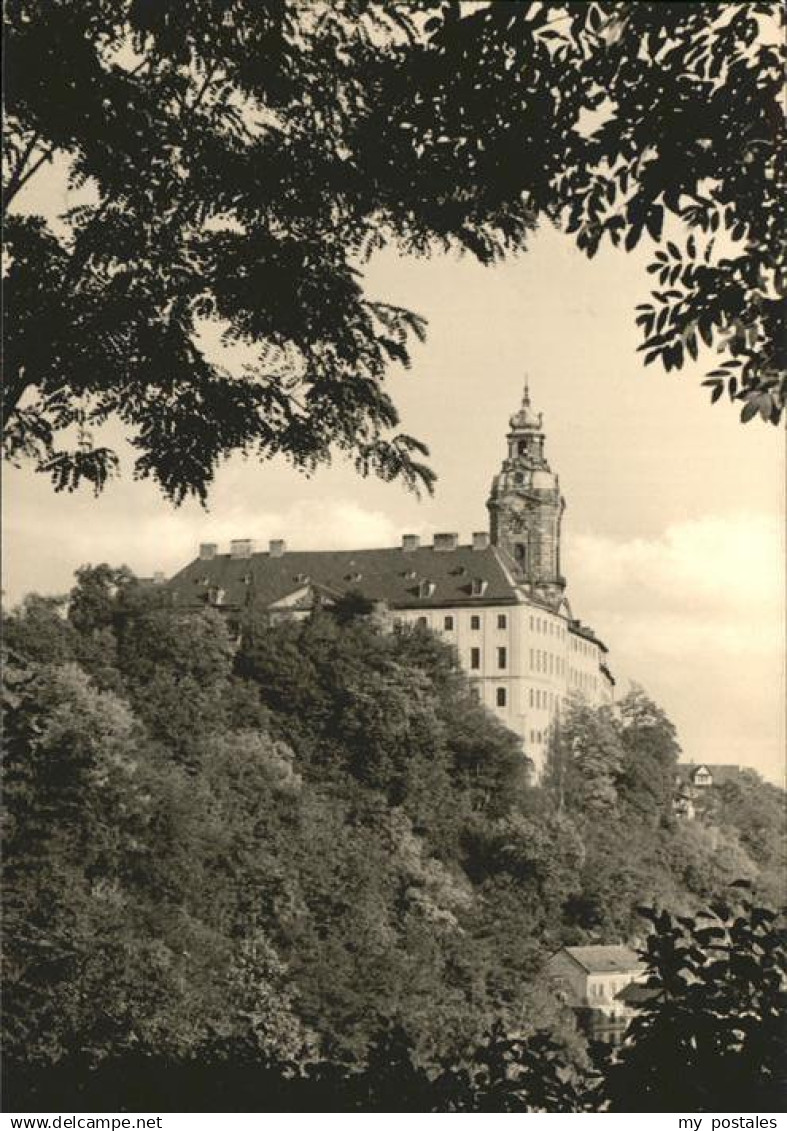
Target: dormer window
353	576
301	578
426	588
216	595
478	586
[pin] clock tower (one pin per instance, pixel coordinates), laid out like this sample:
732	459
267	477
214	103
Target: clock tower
526	508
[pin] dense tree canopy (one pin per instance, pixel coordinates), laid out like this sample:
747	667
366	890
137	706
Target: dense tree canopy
235	164
305	846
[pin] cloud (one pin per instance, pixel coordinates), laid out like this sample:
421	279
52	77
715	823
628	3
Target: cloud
697	615
43	555
711	564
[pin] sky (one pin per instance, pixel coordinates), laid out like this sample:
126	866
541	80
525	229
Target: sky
673	534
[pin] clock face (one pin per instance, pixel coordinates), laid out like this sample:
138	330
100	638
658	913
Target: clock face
516	523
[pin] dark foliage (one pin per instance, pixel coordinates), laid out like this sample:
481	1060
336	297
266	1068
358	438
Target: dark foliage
232	175
304	870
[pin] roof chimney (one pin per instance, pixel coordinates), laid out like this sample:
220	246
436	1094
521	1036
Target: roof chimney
277	548
445	541
241	548
207	551
480	540
410	542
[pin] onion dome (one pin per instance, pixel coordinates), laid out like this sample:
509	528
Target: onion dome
525	417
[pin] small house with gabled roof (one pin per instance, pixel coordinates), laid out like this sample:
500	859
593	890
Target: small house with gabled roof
593	977
704	775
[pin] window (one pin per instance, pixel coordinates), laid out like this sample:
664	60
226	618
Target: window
448	623
500	697
475	658
532	665
475	693
422	621
502	620
531	624
531	697
501	657
475	623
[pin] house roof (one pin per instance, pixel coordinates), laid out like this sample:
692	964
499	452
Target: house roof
579	629
605	959
391	575
636	994
720	772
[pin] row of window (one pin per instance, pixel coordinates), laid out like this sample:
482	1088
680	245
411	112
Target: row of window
478	587
475	659
537	698
449	622
501	698
600	989
582	647
583	680
546	662
547	627
540	699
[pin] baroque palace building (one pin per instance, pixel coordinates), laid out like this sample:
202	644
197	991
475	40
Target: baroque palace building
500	599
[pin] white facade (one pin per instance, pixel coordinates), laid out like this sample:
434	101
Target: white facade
525	661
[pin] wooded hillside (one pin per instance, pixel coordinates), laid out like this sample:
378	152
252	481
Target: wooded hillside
296	848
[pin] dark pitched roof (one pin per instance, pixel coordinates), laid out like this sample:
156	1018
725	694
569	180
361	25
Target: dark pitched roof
579	629
636	994
720	772
390	575
605	959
